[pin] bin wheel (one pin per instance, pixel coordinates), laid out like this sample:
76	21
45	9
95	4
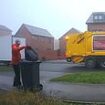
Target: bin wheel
90	63
102	64
40	87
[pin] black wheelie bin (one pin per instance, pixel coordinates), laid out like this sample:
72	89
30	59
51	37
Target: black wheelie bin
30	71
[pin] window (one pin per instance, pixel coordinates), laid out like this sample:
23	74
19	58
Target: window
98	17
95	17
99	42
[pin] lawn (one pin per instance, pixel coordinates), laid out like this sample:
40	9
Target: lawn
96	77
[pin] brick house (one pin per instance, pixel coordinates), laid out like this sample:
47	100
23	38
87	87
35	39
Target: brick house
39	39
96	22
62	42
5	31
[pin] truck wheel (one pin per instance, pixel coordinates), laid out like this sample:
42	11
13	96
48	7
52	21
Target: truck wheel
68	59
90	63
102	64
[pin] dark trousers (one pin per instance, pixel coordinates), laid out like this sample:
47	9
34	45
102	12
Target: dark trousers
17	81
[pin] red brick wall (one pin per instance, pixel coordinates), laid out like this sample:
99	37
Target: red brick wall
43	45
96	27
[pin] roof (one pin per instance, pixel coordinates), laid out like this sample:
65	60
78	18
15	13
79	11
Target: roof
96	17
37	31
4	28
71	31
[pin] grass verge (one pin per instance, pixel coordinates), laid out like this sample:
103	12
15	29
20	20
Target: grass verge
28	98
97	77
5	68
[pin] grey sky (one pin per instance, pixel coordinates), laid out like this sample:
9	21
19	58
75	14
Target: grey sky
57	16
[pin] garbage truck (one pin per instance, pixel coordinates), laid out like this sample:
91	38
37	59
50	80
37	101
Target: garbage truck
87	47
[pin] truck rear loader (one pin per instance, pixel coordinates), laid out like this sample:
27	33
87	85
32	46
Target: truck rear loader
87	47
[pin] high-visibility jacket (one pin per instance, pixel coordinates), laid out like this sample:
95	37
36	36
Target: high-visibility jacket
16	56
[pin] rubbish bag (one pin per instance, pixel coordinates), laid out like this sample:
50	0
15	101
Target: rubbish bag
31	55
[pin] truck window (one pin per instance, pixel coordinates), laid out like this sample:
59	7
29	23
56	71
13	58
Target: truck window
99	42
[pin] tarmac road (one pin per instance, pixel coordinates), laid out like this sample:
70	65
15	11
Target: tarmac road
75	92
52	69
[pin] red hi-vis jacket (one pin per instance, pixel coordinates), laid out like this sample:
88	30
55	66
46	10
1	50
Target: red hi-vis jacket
16	56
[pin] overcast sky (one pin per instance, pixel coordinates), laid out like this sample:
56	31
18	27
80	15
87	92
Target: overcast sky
57	16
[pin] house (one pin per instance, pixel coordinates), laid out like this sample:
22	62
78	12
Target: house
96	22
5	31
62	42
39	39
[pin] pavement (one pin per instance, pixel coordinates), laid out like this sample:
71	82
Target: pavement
65	91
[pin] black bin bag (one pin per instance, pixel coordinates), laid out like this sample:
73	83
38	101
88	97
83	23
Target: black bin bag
31	55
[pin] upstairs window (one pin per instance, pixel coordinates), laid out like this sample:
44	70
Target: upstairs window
99	18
